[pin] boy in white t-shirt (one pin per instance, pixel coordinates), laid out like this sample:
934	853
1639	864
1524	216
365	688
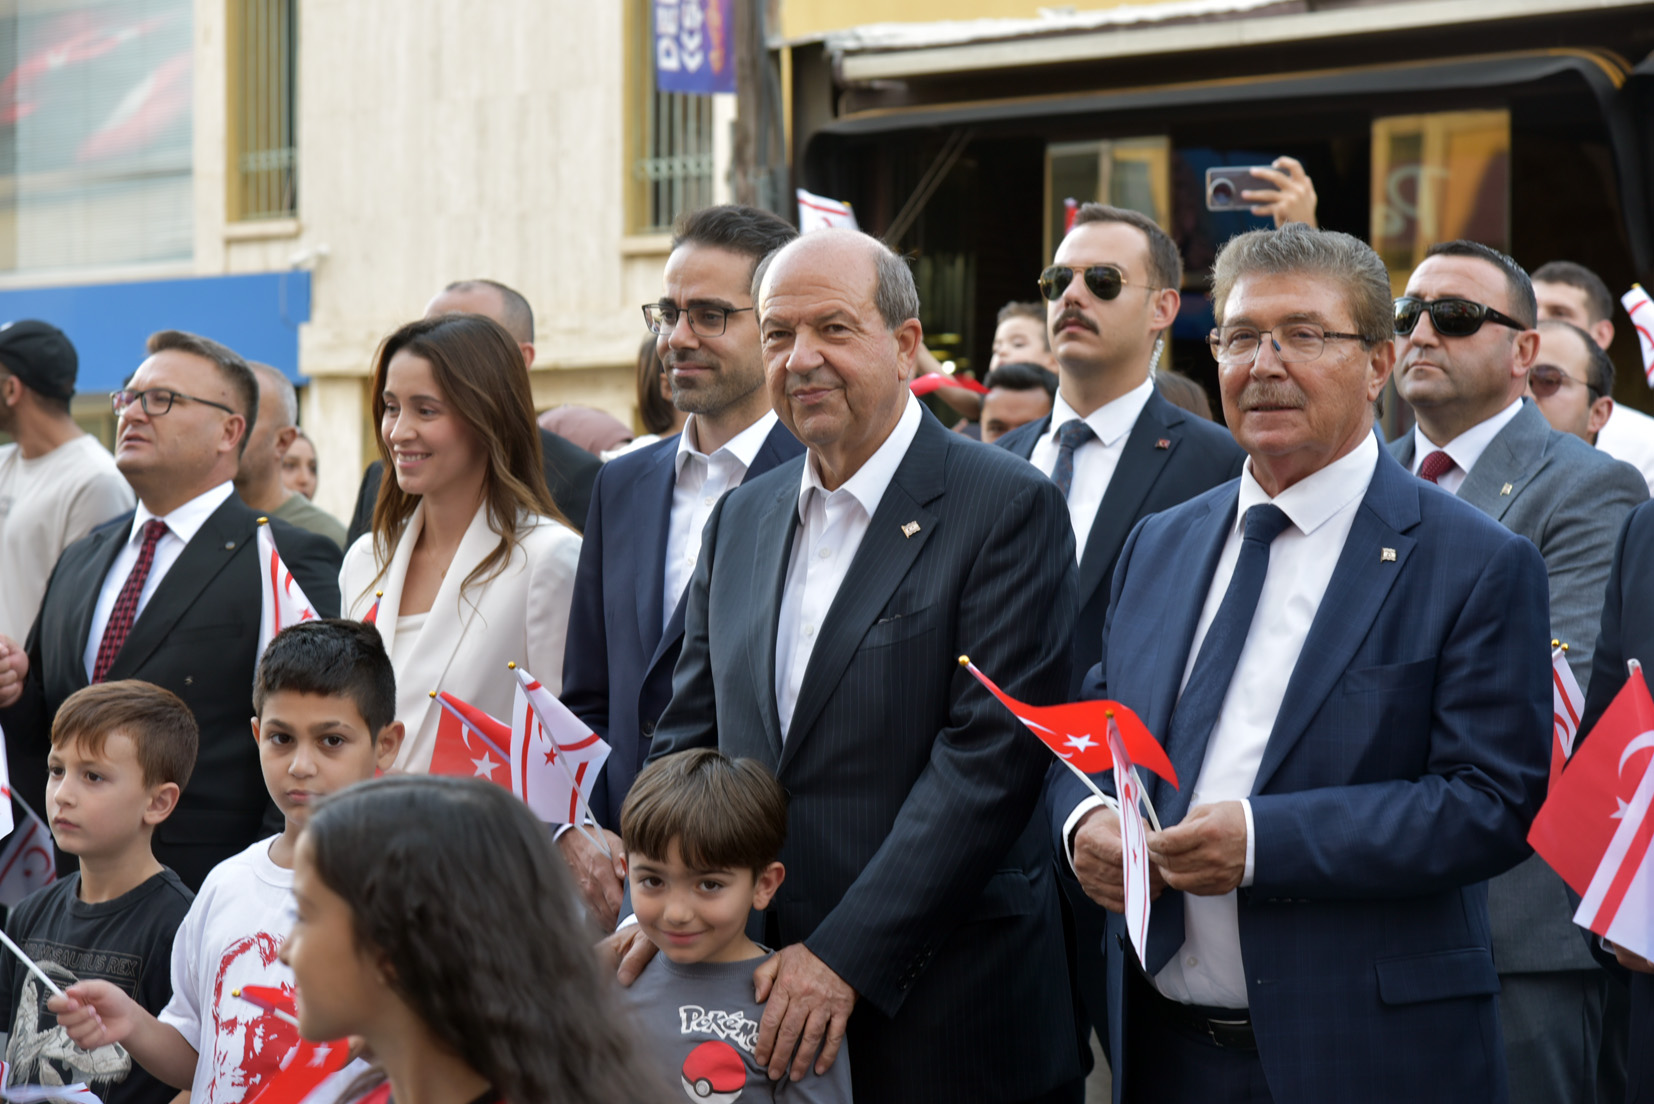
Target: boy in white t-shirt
326	699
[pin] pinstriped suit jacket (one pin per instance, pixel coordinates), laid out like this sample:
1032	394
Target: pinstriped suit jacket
914	869
1403	770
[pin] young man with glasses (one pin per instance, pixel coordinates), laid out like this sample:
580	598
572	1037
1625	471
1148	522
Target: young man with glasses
170	594
1572	380
643	534
1465	345
1113	445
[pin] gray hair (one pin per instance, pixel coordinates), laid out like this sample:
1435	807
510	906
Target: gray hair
895	295
1296	250
284	389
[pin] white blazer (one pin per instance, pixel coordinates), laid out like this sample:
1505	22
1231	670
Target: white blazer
520	615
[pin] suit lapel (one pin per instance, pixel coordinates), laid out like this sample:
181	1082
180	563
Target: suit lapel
883	560
772	550
110	542
1141	462
1022	439
1360	583
1197	562
396	573
443	636
651	526
215	545
1509	462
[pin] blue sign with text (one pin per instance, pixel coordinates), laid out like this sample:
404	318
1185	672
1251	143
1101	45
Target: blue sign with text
695	46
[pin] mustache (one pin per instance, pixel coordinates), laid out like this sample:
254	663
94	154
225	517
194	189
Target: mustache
1261	393
1073	314
675	358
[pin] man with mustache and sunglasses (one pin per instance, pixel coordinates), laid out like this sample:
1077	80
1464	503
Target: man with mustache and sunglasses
1465	343
1118	451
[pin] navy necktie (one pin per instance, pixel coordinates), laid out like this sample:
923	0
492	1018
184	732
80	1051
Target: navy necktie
1197	710
1071	436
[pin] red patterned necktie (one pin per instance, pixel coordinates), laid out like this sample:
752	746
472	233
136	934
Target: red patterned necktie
1436	465
126	603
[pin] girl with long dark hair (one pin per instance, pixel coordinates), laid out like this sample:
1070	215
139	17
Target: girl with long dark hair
437	923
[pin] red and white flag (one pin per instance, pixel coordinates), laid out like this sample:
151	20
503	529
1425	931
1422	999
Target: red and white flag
471	743
1567	703
283	599
819	213
1585	809
28	860
1067	731
7	820
1134	843
1619	902
1641	309
555	756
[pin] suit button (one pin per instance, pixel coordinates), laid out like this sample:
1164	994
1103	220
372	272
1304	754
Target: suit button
189	680
647	729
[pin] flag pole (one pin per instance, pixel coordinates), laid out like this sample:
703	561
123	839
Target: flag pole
598	842
30	963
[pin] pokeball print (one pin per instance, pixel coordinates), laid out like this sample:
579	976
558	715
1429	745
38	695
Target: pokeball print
714	1073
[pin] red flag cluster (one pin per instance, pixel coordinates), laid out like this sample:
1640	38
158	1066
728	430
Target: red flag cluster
1595	828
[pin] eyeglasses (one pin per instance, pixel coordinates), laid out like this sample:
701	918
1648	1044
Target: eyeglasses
158	400
1451	317
1545	380
1104	281
1294	343
662	318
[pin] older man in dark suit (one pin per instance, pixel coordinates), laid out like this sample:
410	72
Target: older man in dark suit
832	599
171	595
1349	671
1465	343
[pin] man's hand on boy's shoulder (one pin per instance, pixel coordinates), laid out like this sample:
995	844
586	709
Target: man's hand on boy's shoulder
601	877
806	1006
627	951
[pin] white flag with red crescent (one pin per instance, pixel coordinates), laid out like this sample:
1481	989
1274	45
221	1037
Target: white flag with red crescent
1641	309
555	756
1567	703
1134	846
283	600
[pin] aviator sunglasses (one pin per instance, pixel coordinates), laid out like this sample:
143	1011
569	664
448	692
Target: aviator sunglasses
1450	317
1104	281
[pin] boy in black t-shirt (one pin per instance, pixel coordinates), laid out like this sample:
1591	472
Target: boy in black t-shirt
121	753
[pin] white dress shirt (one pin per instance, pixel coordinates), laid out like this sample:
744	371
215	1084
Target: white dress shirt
1629	435
1094	461
701	481
1208	969
831	525
182	525
1465	449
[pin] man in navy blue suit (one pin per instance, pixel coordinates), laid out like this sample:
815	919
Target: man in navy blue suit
643	532
1628	633
1348	668
1116	448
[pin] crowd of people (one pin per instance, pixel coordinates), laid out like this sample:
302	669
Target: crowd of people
823	862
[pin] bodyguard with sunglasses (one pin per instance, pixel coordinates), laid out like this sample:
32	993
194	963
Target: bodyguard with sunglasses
1572	380
1465	345
1118	451
171	594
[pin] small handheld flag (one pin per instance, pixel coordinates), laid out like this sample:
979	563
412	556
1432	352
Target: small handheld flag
1567	703
1134	846
1641	309
558	740
283	600
277	1002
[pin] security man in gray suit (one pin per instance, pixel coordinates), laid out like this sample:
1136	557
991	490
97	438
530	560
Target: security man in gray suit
1465	341
822	630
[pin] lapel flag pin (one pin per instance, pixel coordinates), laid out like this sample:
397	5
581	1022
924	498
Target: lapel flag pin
1387	555
910	528
1163	443
1505	490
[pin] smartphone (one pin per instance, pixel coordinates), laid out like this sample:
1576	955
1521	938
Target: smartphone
1225	185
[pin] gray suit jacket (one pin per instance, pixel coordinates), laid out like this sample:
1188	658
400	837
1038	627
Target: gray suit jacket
1570	500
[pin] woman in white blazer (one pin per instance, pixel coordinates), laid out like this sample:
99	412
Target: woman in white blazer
474	562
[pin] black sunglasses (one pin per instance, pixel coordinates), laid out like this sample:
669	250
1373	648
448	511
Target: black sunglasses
1450	317
1104	281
